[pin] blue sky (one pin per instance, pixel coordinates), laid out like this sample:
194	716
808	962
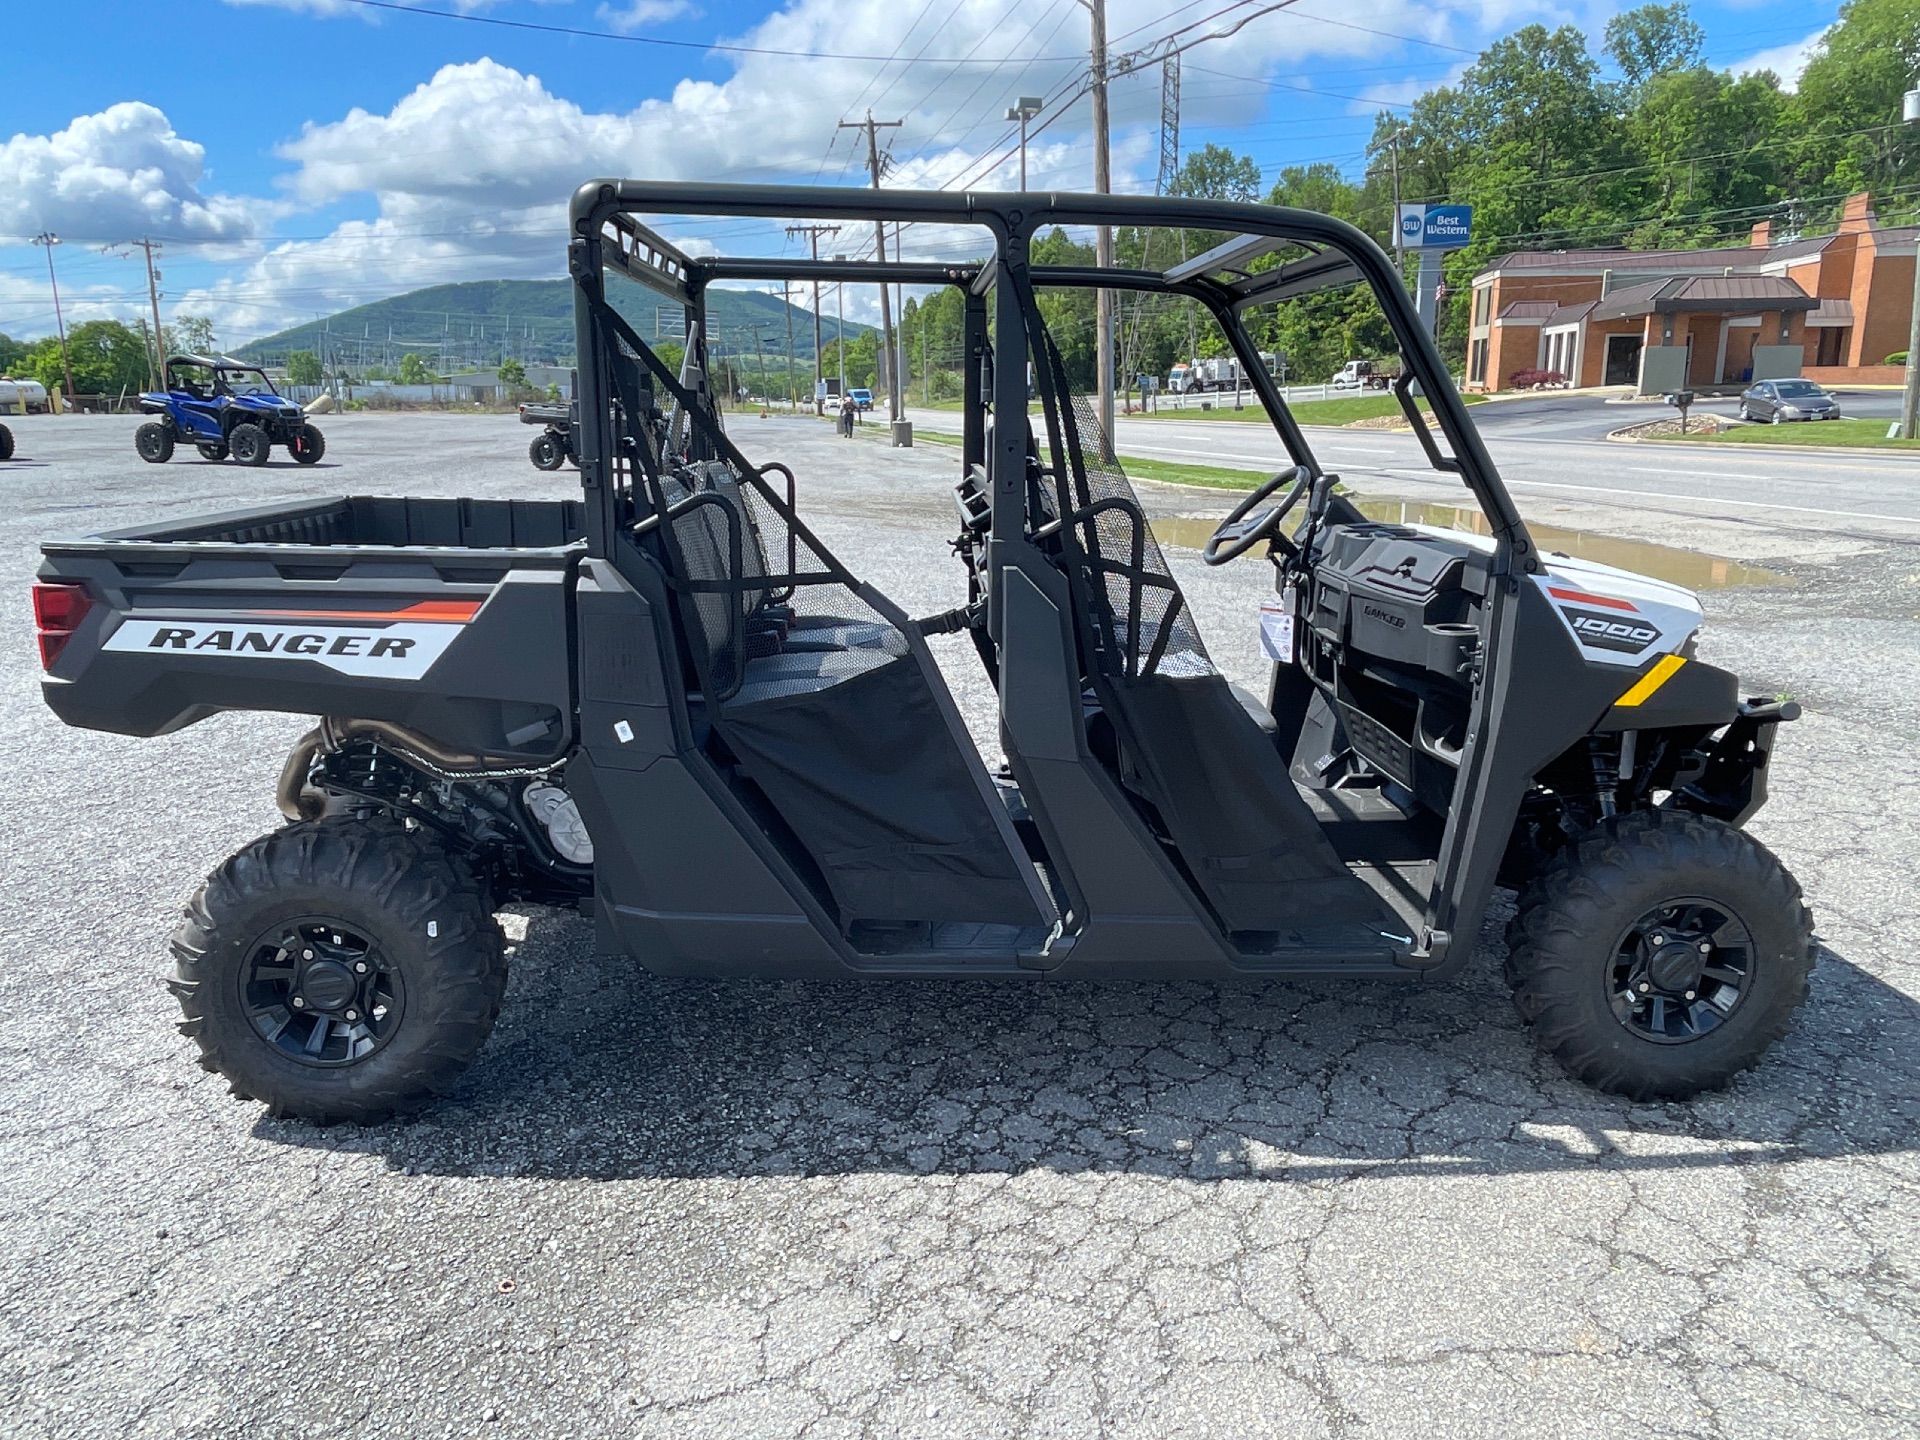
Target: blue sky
322	153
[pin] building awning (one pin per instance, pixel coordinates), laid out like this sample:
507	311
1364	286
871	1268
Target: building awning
1704	294
1526	312
1832	314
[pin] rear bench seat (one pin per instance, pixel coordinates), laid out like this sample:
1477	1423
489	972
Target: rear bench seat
787	653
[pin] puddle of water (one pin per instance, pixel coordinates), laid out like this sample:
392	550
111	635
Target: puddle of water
1690	568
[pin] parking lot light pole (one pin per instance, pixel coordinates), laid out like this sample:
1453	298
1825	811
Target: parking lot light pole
1910	400
49	239
1029	106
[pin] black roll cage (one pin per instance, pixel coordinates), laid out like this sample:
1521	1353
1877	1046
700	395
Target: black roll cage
604	234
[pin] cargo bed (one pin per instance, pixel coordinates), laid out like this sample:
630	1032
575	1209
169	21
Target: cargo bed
339	606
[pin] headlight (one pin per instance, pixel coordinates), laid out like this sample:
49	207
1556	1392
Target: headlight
1790	410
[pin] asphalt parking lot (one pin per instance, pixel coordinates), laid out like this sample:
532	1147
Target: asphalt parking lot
667	1208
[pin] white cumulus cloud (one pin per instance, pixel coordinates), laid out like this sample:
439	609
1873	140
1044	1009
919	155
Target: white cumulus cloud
471	170
113	176
1786	61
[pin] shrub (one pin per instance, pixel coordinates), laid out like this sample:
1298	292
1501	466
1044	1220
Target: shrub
1535	379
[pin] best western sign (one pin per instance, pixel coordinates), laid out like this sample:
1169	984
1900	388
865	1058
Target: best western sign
1435	227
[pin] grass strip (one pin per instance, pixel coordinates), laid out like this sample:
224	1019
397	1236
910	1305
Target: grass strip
1167	472
1854	434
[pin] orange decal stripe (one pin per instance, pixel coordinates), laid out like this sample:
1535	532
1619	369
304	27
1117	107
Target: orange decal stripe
445	612
1581	597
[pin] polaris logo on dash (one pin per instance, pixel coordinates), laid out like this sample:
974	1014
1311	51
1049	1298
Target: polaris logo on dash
403	651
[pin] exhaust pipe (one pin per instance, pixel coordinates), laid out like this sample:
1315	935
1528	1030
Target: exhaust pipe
297	800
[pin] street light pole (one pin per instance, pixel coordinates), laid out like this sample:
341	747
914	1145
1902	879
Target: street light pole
1029	106
1910	400
49	239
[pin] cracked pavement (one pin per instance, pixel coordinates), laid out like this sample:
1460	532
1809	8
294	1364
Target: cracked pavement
891	1209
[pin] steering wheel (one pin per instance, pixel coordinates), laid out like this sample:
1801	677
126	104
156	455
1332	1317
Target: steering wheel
1237	534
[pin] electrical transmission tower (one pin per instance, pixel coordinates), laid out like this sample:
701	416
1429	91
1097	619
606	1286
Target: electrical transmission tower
1169	124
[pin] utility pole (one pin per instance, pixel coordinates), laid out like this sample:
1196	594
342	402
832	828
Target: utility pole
840	325
49	239
786	303
1392	145
1910	399
873	127
813	234
1103	236
156	359
760	353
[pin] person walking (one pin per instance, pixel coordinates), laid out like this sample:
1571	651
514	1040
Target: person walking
847	414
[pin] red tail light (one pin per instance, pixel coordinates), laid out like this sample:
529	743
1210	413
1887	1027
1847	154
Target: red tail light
58	608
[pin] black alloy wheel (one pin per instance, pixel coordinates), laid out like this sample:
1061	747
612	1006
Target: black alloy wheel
1680	971
340	970
546	452
249	444
1660	954
320	993
154	443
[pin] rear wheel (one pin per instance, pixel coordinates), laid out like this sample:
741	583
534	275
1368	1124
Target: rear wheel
154	442
249	444
341	970
1660	955
212	452
546	452
308	445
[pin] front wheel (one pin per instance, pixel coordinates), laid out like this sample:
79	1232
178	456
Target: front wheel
1776	418
6	443
249	444
1661	955
154	442
308	445
546	452
340	970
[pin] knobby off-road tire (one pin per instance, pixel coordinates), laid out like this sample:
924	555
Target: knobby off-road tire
295	915
547	453
308	445
154	442
1597	936
6	443
249	444
213	452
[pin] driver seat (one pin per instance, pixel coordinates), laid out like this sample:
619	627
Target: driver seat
1197	751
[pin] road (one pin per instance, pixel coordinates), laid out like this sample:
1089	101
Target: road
1739	502
663	1208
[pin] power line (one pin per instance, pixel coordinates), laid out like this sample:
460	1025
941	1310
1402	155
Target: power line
701	45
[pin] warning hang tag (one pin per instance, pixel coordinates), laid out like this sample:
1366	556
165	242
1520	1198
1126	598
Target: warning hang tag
1276	627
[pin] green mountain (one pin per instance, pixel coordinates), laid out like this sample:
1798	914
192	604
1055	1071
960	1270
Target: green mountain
476	322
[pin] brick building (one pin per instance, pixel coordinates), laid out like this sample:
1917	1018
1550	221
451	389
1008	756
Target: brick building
1831	307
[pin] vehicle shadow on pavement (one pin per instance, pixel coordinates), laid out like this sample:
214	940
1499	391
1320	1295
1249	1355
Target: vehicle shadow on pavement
598	1071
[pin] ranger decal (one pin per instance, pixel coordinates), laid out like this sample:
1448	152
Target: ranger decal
400	645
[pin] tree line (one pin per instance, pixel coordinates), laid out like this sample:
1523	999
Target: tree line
1644	146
